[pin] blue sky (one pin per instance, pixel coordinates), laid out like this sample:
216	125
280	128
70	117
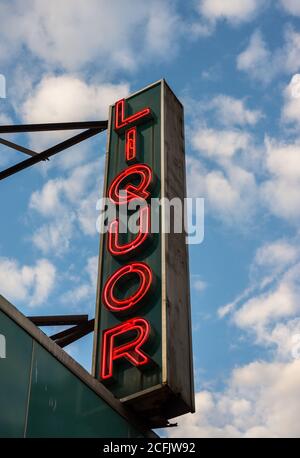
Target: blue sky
234	64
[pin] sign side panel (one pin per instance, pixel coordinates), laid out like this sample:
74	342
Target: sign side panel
179	339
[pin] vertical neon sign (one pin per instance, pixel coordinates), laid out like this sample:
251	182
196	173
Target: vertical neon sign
138	323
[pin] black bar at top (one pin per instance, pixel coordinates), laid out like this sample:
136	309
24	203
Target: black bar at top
58	320
19	128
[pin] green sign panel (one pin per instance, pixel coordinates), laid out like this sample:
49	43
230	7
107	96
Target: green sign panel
143	309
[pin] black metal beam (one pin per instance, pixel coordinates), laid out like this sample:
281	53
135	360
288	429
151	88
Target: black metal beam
58	320
49	152
70	335
17	147
19	128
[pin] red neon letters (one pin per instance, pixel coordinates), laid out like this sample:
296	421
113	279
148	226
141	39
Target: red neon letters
116	248
130	144
111	351
121	121
110	300
133	183
122	192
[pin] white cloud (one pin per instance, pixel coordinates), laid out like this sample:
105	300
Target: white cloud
29	284
255	57
200	29
84	290
86	213
270	261
92	270
277	254
74	33
283	160
281	190
198	284
261	400
291	107
269	307
223	168
76	295
69	98
48	200
246	178
279	302
291	6
291	50
260	63
54	195
284	337
227	111
234	11
54	237
282	198
229	188
66	203
5	119
162	29
231	111
230	194
222	143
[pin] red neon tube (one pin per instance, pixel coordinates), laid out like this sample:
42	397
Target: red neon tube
131	350
130	144
121	192
121	121
114	304
113	244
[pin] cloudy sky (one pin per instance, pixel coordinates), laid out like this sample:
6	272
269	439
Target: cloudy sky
234	64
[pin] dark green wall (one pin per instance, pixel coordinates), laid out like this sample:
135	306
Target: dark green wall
40	397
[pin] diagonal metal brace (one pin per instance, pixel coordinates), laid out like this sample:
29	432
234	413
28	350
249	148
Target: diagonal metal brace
70	335
48	152
20	148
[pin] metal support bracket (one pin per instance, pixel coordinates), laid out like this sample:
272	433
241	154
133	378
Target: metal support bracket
83	326
92	128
